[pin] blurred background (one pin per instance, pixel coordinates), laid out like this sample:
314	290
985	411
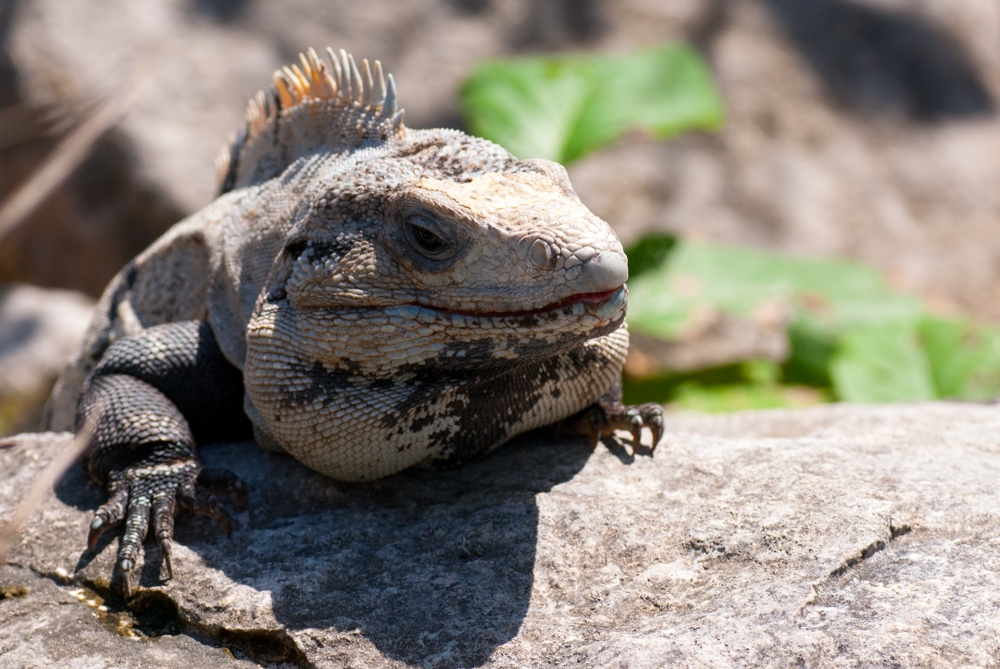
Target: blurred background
847	186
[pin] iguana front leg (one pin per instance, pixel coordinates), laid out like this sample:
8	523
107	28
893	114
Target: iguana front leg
608	413
157	395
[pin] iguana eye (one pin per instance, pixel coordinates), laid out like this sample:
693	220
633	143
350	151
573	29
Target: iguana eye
427	239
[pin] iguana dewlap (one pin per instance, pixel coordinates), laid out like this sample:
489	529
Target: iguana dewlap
370	296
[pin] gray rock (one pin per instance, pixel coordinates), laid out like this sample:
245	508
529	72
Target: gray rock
38	330
211	56
833	536
878	141
711	339
47	623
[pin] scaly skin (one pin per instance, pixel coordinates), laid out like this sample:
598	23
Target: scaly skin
391	297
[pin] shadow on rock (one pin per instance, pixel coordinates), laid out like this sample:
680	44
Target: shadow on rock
430	567
883	60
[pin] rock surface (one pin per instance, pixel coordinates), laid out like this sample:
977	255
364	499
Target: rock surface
827	537
877	141
38	330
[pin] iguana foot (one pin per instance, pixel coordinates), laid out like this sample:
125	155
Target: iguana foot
149	398
155	491
606	415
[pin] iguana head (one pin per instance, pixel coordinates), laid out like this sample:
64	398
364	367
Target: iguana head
430	247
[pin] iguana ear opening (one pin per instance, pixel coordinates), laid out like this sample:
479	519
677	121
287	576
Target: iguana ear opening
359	103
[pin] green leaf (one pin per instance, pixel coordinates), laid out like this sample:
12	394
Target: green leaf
812	349
964	359
826	296
881	362
563	107
760	372
752	384
649	253
528	106
742	397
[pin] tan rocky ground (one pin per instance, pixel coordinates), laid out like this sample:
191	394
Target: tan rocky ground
837	536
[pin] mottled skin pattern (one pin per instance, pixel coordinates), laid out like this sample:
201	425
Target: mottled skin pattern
391	297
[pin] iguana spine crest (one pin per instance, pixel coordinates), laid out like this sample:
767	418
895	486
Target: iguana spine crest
338	83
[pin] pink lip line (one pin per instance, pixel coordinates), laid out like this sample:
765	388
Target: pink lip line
579	298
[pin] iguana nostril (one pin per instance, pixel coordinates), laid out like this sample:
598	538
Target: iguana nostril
541	255
605	271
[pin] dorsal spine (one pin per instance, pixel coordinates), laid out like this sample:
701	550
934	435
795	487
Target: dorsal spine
337	81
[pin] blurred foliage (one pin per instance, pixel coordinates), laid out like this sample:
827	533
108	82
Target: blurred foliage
649	253
751	384
826	296
22	413
964	357
881	362
564	107
11	410
742	397
850	337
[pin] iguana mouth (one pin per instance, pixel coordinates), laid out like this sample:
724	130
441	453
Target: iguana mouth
579	298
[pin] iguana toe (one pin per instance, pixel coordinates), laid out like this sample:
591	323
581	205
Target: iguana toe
225	482
606	415
152	494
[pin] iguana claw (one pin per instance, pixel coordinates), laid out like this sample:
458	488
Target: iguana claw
144	493
606	415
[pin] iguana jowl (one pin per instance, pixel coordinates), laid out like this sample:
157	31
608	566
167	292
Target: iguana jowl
370	296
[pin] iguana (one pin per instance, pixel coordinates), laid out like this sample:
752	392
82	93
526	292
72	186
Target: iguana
362	295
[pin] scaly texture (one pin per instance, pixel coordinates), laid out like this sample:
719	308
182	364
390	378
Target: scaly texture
391	297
